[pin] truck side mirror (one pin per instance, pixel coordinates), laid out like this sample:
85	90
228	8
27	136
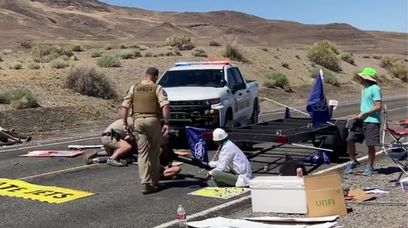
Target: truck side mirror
223	82
235	88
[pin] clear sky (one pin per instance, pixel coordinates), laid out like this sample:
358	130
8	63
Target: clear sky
383	15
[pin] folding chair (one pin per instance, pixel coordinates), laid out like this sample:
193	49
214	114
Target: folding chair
398	137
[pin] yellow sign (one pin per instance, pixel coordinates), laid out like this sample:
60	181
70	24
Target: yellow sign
219	192
49	194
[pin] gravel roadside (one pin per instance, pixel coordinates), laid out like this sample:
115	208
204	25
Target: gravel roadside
387	210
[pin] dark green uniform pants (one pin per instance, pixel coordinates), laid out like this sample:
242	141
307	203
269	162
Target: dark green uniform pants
222	179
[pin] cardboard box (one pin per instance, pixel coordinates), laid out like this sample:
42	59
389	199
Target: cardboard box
360	196
324	195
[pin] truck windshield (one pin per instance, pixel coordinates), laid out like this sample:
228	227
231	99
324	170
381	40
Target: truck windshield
202	78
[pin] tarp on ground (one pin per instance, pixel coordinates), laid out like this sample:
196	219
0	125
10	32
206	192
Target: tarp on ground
220	192
53	153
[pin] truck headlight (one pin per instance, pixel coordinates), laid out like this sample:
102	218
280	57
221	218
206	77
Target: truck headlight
209	112
212	101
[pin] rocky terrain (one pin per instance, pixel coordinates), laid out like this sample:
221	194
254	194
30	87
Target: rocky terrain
269	46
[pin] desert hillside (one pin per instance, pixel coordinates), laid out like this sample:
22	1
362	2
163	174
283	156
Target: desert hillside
42	41
91	20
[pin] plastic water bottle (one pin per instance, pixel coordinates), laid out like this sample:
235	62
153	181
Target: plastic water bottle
181	216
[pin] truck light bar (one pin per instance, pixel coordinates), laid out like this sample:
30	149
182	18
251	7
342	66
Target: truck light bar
216	62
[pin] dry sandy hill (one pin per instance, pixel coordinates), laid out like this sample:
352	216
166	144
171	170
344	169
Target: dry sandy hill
269	45
91	20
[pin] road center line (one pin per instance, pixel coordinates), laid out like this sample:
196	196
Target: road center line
47	144
73	169
78	168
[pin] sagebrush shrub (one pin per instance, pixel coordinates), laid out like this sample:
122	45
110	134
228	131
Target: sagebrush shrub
88	81
387	62
348	58
44	53
325	53
108	61
16	66
274	80
199	53
397	68
76	48
127	54
328	77
400	71
214	44
19	98
96	54
34	66
181	41
59	63
170	53
233	53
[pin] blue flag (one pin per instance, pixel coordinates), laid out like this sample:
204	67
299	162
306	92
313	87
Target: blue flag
317	104
198	146
318	158
287	113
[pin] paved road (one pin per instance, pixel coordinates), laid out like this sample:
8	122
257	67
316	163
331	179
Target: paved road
118	201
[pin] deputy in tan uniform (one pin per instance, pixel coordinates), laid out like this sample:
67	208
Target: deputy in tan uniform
148	102
117	142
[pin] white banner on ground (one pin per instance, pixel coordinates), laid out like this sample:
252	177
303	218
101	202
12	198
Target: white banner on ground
240	223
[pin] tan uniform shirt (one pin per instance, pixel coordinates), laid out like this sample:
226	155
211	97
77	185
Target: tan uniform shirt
118	127
160	93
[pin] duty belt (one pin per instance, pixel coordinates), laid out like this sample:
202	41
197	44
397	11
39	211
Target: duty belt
112	134
144	115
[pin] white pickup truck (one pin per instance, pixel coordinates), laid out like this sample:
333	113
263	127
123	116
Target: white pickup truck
209	95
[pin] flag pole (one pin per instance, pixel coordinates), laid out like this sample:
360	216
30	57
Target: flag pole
294	109
283	105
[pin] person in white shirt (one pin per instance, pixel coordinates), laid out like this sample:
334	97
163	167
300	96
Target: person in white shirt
231	167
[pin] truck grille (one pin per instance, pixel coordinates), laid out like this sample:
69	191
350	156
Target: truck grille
185	103
187	106
191	113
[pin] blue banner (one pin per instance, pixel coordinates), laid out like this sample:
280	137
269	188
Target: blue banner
317	103
318	158
198	146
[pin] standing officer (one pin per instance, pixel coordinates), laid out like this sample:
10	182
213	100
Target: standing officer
148	101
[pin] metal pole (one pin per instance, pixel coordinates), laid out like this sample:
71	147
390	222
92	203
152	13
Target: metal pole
294	109
311	147
283	105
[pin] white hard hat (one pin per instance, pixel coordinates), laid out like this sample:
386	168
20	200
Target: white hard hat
219	135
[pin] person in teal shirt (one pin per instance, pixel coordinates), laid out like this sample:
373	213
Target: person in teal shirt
368	121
